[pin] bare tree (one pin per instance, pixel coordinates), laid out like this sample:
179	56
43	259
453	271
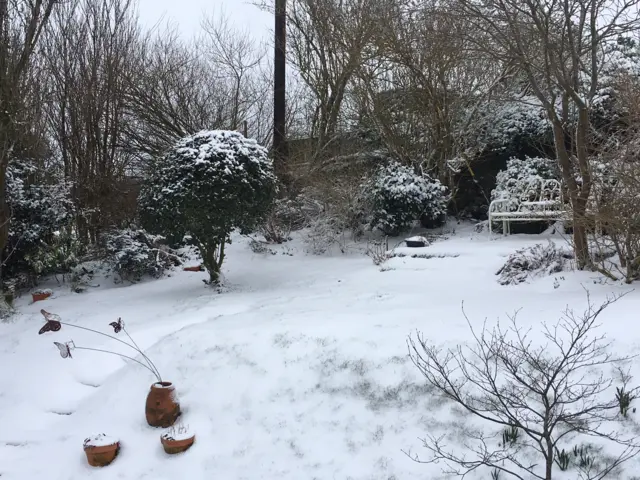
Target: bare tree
329	41
90	53
616	186
260	114
235	57
419	98
542	396
172	92
22	23
180	87
559	47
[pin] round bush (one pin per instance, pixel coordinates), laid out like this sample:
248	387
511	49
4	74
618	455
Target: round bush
206	186
400	196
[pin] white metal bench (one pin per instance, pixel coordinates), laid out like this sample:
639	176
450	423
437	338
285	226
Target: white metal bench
542	201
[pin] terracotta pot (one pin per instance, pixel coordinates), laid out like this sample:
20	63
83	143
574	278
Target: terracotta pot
172	446
37	297
193	269
103	455
163	408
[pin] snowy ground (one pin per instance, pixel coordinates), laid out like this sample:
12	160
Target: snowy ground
299	371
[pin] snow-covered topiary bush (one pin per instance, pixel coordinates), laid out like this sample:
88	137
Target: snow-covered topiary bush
521	177
40	209
399	196
206	186
134	254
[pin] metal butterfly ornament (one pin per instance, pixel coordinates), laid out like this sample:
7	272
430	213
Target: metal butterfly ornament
117	326
65	348
53	322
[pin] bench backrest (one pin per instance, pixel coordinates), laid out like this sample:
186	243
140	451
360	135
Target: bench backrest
539	190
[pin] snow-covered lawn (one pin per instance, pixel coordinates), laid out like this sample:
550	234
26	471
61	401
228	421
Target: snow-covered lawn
298	371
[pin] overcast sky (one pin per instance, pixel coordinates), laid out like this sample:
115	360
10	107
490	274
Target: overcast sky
187	14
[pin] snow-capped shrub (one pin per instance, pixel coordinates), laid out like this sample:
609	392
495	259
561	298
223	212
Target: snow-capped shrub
399	196
206	186
59	256
522	176
40	210
134	254
297	212
498	123
321	235
620	64
342	203
287	215
536	261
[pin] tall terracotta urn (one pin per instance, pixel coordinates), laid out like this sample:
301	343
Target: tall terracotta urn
162	408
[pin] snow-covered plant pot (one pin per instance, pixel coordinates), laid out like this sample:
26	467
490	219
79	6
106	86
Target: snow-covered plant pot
162	408
101	450
416	242
39	295
177	440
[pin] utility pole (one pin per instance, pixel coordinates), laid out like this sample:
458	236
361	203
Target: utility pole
280	148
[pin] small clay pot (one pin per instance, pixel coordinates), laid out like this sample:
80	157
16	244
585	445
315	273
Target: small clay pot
172	446
193	269
39	296
102	455
162	408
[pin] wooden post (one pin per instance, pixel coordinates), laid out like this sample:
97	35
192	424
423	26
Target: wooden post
280	149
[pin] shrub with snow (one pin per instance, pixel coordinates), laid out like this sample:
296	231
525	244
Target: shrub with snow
536	261
522	176
60	255
498	123
620	69
321	235
341	203
287	215
206	186
297	212
399	196
134	254
40	209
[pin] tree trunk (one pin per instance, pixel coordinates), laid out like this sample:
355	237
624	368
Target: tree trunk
549	464
580	207
5	218
578	202
580	242
212	258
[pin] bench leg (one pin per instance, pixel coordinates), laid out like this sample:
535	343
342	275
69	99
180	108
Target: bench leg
490	229
505	227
